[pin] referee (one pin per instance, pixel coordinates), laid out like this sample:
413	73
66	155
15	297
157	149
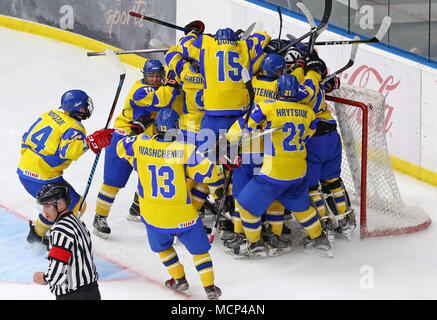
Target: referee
71	274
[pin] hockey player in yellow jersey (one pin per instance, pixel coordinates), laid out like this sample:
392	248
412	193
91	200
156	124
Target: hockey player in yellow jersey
187	74
146	97
163	164
221	58
264	84
327	190
283	173
50	145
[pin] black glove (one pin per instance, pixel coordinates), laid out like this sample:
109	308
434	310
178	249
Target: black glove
140	124
171	81
239	33
196	26
275	44
332	84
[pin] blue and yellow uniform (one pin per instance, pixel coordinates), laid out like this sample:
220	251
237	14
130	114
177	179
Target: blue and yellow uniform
47	149
283	149
164	196
221	61
324	148
142	99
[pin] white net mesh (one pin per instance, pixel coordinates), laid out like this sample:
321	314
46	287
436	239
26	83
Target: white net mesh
385	212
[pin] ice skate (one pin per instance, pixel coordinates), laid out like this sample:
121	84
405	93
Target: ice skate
134	211
320	245
277	245
36	241
236	240
250	250
213	292
179	286
101	228
226	228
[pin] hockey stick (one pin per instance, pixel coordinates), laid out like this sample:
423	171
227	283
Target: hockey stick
163	23
313	27
280	21
385	25
323	23
122	73
254	27
93	54
248	83
348	64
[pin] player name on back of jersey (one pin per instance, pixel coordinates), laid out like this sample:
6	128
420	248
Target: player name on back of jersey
289	112
223	41
56	118
161	153
194	79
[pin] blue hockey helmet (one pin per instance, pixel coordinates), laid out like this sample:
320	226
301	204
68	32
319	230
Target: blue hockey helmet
272	66
287	86
74	101
166	120
226	34
153	67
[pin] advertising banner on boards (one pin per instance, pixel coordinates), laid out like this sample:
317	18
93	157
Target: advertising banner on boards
104	20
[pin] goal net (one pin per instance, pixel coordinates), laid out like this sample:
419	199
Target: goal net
366	166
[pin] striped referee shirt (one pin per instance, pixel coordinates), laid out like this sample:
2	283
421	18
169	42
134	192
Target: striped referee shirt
71	260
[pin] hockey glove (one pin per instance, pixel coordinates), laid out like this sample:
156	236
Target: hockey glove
196	27
229	205
332	84
171	81
301	63
140	124
99	140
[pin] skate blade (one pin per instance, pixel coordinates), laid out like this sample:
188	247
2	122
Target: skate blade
274	252
101	234
185	293
133	218
320	252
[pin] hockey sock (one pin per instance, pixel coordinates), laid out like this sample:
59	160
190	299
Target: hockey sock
105	199
203	264
199	193
42	225
317	200
337	189
309	220
238	226
275	217
170	260
251	224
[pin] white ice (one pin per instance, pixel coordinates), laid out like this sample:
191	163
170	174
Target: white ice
35	72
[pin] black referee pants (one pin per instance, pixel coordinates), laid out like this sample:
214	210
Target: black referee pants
87	292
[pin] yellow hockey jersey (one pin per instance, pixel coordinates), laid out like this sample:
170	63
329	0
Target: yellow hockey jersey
191	81
144	99
316	100
163	169
284	149
264	88
50	145
221	63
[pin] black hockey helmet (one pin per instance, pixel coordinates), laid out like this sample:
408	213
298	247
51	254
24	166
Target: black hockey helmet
52	192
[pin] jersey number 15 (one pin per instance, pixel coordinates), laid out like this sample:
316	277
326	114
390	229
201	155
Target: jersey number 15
228	66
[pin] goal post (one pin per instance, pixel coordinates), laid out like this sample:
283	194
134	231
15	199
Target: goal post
366	166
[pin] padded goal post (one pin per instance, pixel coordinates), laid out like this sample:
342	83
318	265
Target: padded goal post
366	166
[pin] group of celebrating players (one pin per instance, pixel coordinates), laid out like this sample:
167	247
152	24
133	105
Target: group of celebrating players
178	129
